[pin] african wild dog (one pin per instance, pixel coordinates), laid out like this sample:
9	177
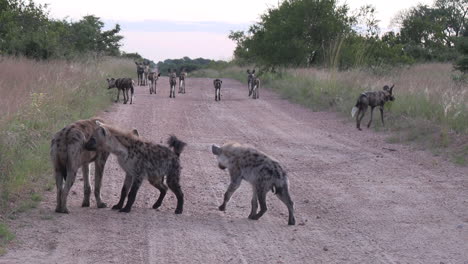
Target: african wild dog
141	159
250	78
140	72
123	84
217	85
172	83
145	73
68	154
153	77
182	77
372	99
257	168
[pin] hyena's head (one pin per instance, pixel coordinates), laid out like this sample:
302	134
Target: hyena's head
111	83
389	93
223	161
103	139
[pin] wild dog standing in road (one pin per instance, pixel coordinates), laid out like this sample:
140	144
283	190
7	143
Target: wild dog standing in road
68	154
123	84
182	77
261	171
145	73
217	85
172	83
250	78
153	77
140	72
372	99
140	159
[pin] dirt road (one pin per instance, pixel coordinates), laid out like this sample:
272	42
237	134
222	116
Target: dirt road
356	201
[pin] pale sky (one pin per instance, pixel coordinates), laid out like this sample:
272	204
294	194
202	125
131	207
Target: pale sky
160	30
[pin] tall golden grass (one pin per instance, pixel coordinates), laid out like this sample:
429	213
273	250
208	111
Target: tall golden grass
39	98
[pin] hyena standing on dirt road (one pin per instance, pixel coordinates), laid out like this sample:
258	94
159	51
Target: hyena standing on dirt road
182	77
140	159
217	85
68	154
172	83
140	72
372	99
260	170
250	78
153	77
123	84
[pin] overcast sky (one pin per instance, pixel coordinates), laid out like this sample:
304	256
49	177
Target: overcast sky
160	30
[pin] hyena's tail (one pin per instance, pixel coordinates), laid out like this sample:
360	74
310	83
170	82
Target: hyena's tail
176	144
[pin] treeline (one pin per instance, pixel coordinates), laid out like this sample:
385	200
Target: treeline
27	30
323	33
188	64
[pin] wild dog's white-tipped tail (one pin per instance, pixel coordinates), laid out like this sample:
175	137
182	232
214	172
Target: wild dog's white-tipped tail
353	111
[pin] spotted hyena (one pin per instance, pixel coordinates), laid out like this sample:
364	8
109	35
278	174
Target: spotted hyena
217	85
372	99
141	159
68	154
182	76
124	85
153	78
172	83
261	171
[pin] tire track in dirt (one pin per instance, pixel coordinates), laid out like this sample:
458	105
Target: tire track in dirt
355	202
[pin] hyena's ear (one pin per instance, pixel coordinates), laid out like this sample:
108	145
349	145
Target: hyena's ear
216	150
99	123
135	132
102	131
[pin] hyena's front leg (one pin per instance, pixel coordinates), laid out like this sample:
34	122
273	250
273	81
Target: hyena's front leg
254	203
98	172
125	189
87	186
229	192
132	195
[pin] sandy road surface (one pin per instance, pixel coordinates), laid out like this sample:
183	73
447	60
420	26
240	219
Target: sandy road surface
355	201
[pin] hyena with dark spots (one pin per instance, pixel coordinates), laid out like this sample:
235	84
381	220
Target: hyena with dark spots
172	83
261	171
153	78
217	85
141	159
124	85
182	77
68	154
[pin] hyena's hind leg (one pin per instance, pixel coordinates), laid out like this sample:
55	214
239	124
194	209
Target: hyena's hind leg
261	195
59	177
162	191
283	195
254	203
173	183
70	179
87	186
132	194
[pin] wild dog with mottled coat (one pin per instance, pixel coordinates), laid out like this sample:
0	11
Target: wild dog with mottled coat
172	83
217	85
140	72
124	85
68	154
255	88
145	73
372	99
261	171
141	159
153	77
182	77
250	78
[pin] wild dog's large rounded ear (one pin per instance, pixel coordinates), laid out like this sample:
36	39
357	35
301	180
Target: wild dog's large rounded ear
391	89
108	79
248	71
159	74
135	132
253	71
216	150
220	81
